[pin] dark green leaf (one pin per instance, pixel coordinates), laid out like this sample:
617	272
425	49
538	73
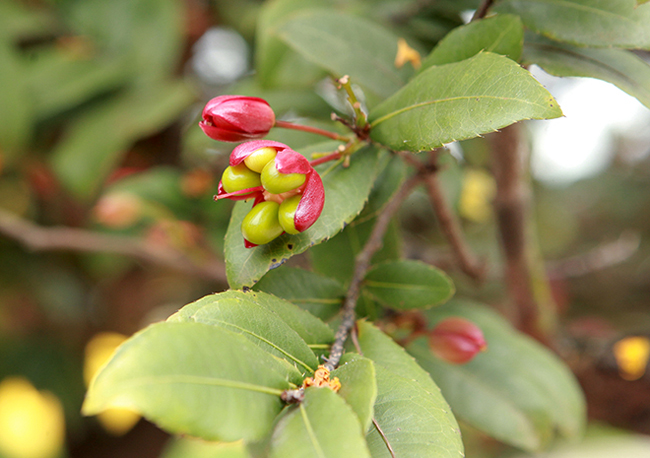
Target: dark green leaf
517	391
347	45
358	386
619	67
95	143
15	109
156	26
323	426
346	191
186	447
321	296
619	23
405	285
309	328
196	379
410	409
240	313
459	101
501	34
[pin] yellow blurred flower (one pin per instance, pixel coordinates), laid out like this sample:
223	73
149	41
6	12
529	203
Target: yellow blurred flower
476	196
32	423
632	355
99	350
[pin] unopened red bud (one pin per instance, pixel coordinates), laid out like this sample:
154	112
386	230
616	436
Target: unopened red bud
118	210
456	340
235	118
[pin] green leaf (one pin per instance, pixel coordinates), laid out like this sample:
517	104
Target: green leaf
459	101
501	34
96	142
310	329
273	58
619	67
517	391
186	447
347	45
155	25
410	409
15	109
236	312
321	296
196	379
322	426
406	285
19	21
346	191
618	23
358	386
59	81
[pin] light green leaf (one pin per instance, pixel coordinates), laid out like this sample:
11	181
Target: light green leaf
188	447
310	329
358	386
501	34
517	391
410	410
321	296
459	101
346	191
619	67
597	23
236	312
348	45
195	379
15	109
322	426
273	58
406	284
95	143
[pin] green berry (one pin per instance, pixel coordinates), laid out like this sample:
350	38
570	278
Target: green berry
238	177
276	182
259	158
287	214
261	224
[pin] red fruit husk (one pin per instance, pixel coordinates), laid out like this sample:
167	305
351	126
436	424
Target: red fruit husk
456	340
234	118
241	152
311	204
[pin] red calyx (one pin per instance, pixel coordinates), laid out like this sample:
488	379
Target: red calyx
456	340
235	118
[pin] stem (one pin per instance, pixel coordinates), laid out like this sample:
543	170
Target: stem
449	223
310	129
240	193
361	266
39	238
360	117
322	160
524	271
482	10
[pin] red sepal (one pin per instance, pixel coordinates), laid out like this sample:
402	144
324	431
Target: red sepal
311	204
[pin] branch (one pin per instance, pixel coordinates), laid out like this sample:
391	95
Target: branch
37	238
362	264
447	219
482	10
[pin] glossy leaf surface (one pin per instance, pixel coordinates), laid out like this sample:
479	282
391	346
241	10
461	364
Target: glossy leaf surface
346	191
405	285
620	23
198	385
322	426
501	34
458	101
517	391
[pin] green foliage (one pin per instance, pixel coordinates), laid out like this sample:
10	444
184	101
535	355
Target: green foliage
516	391
461	100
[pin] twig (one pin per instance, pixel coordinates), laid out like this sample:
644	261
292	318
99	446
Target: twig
39	238
311	130
482	10
361	266
598	258
449	224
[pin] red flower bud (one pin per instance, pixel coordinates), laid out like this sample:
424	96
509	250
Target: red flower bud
456	340
235	118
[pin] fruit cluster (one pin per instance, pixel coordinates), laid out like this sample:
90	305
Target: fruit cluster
288	193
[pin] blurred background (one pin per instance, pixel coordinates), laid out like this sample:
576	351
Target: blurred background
107	221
